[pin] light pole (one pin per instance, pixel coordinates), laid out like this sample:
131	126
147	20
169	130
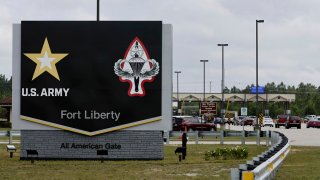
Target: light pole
177	72
204	78
257	112
222	82
98	10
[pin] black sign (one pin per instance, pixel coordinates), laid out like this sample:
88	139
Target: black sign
91	77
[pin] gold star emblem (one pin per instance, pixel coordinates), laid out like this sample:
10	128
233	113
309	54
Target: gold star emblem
46	61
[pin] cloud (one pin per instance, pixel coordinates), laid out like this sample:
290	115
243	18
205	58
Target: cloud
288	40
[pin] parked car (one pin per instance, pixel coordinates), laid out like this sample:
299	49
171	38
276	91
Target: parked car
247	121
309	117
281	120
228	121
293	121
315	122
238	120
176	121
268	121
193	124
217	120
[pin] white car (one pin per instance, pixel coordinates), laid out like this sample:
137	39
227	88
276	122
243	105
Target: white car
310	117
267	121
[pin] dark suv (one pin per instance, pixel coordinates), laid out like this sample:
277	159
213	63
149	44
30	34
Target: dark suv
293	121
191	124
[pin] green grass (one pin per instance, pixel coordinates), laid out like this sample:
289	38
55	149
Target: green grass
194	166
301	163
4	129
6	138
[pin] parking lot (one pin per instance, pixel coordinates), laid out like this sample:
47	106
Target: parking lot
298	137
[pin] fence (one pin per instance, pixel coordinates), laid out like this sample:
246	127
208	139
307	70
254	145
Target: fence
221	135
195	134
10	135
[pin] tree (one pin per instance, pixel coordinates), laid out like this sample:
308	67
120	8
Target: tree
5	86
307	99
235	90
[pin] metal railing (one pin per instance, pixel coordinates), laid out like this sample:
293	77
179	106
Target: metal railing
220	135
10	135
265	165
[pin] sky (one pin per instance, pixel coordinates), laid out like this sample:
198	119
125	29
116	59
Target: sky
289	39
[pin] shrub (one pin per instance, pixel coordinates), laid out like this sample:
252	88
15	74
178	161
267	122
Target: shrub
227	153
5	124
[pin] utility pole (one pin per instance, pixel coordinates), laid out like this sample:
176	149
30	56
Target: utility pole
98	10
257	84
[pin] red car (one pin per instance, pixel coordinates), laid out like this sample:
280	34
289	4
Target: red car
193	124
293	121
314	122
281	120
247	121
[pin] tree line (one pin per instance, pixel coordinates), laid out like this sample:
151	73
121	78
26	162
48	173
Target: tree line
307	99
5	87
5	91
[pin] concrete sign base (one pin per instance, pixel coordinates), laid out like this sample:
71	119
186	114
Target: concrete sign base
118	145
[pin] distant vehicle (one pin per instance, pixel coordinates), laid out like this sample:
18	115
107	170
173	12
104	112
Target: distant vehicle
217	120
230	117
309	117
238	120
281	120
293	121
247	121
176	121
193	124
228	121
267	121
314	122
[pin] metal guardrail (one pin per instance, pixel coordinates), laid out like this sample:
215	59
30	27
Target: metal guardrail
265	165
3	133
13	133
10	134
219	134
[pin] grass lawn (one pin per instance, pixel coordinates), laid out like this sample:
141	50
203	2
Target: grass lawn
301	163
194	166
4	129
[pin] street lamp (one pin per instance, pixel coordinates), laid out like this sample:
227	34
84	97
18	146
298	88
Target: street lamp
98	10
177	72
222	82
204	78
257	112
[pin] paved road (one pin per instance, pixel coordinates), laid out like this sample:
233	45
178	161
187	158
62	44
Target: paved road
299	137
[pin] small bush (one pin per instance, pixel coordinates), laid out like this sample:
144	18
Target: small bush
227	153
5	124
